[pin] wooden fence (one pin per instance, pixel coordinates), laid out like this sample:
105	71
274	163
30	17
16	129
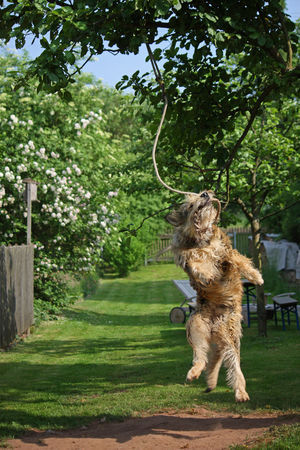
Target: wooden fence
16	292
160	250
240	239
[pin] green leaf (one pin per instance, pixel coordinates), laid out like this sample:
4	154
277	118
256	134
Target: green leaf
210	17
53	77
261	40
44	43
70	57
81	26
67	96
219	53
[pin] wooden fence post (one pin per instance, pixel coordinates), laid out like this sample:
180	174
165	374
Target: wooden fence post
31	195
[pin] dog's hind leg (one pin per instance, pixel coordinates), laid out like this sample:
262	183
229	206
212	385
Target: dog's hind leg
215	359
198	336
235	377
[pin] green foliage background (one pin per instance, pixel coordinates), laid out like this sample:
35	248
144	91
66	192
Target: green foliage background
83	155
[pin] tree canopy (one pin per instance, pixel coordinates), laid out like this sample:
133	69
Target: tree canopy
194	40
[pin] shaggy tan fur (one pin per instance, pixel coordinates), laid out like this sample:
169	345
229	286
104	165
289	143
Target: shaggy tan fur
204	251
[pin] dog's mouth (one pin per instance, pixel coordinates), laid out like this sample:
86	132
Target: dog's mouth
204	204
208	201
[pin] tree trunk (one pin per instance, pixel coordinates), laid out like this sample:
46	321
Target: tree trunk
260	298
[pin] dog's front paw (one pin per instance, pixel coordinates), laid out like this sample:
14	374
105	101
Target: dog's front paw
259	280
201	274
202	279
255	278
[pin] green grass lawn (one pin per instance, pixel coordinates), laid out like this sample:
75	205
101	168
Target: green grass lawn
117	355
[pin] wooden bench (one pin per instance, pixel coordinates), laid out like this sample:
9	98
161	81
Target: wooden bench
179	313
286	304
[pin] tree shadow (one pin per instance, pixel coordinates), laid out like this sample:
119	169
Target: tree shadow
159	358
178	428
66	384
113	319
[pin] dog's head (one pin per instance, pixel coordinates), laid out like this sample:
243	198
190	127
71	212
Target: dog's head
196	215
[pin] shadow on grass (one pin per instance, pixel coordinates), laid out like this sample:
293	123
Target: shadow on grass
143	375
114	319
14	425
161	425
152	365
148	360
104	347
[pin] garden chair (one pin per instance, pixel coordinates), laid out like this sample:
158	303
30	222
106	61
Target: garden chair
251	305
286	304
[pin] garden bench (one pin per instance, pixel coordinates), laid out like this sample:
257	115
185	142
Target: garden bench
286	304
179	313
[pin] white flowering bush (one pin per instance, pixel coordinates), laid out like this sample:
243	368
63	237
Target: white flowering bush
67	150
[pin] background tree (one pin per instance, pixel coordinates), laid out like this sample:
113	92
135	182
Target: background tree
266	173
263	180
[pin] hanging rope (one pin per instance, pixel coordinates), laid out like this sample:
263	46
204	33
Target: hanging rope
165	98
160	81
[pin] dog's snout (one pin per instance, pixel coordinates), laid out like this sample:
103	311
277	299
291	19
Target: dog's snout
204	195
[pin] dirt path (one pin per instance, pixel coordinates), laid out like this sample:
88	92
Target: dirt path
198	429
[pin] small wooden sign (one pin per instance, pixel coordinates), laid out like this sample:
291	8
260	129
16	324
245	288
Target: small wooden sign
31	187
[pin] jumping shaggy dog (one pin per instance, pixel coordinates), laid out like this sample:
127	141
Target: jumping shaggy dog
214	270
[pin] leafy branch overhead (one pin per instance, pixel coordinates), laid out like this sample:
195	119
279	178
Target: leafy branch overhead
220	60
197	33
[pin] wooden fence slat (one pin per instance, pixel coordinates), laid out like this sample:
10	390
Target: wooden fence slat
16	292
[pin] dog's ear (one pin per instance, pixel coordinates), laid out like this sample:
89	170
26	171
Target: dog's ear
176	217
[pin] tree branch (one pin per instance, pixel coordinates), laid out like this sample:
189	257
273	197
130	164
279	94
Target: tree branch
112	52
285	132
78	69
253	115
280	210
289	61
134	231
159	24
263	198
245	210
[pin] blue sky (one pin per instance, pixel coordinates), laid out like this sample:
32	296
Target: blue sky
111	68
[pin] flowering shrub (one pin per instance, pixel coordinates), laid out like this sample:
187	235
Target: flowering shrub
67	150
